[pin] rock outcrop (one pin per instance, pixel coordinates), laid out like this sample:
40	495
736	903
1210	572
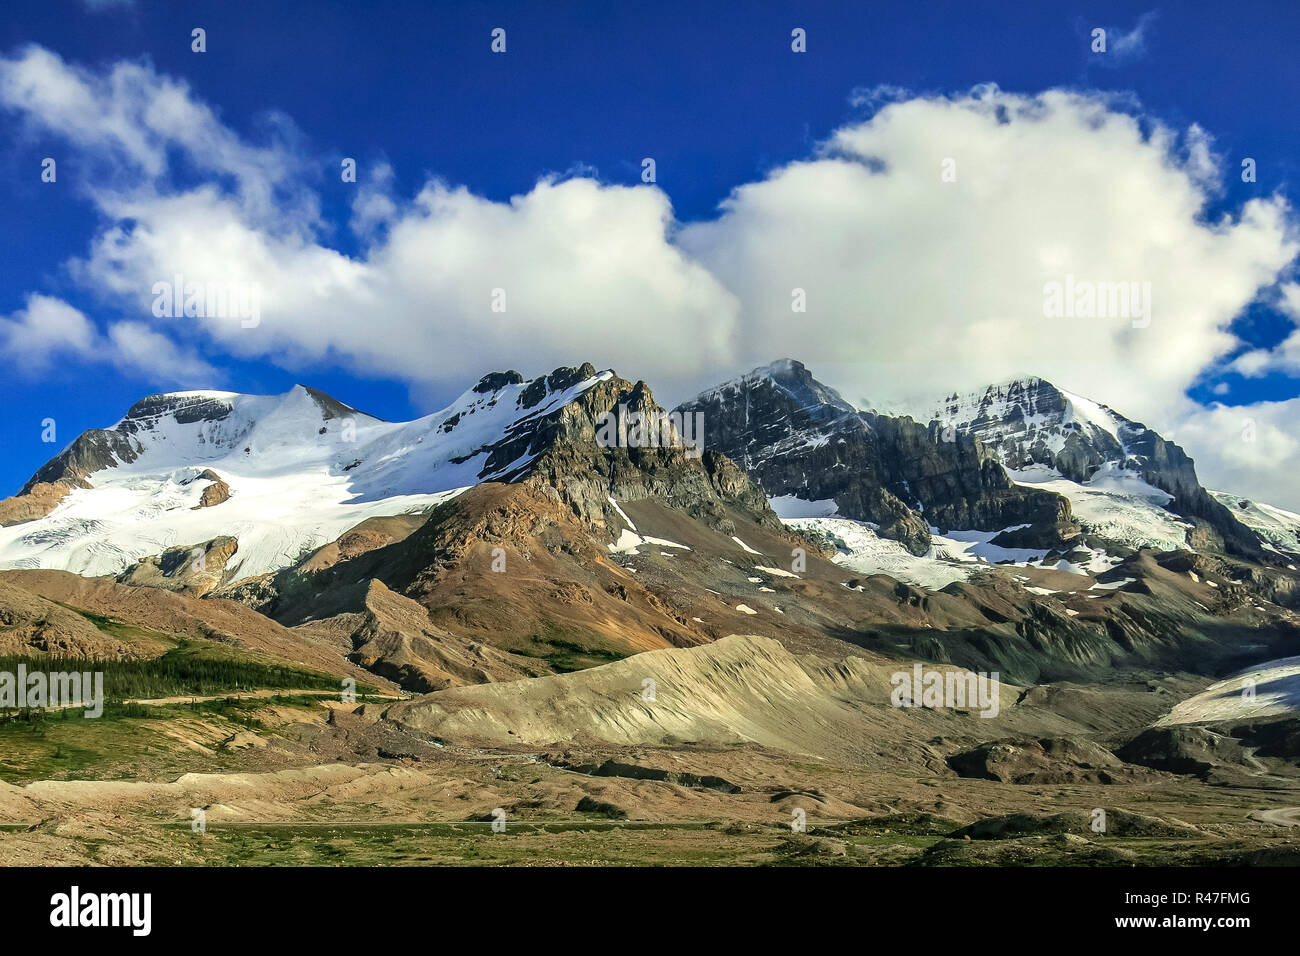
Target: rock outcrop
35	501
193	569
215	493
1052	760
572	463
394	637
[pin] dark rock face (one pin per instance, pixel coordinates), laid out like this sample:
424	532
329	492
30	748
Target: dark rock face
557	450
1168	467
93	450
572	464
495	381
1118	823
958	484
1032	422
631	771
798	437
1184	749
185	408
330	406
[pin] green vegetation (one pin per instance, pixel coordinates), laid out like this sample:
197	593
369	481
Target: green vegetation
465	843
131	741
189	668
233	709
566	656
127	633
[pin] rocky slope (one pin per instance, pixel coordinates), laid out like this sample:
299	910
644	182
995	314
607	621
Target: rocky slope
57	613
31	624
394	637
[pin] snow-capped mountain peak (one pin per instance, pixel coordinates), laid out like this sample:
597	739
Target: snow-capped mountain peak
1030	421
1123	479
795	384
294	471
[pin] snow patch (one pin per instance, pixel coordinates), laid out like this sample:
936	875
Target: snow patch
1111	586
629	541
1116	504
1280	529
1265	690
790	506
621	513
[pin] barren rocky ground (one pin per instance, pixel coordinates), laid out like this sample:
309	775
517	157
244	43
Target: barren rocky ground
300	780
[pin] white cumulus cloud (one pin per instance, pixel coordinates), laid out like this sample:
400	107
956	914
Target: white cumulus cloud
917	287
49	332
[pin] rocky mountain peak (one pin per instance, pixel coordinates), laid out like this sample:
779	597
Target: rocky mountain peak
785	382
184	407
798	437
1029	421
1039	430
495	381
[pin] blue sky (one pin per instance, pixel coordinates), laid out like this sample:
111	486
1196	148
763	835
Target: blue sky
716	97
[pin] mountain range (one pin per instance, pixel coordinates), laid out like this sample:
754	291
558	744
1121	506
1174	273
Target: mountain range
520	577
318	515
